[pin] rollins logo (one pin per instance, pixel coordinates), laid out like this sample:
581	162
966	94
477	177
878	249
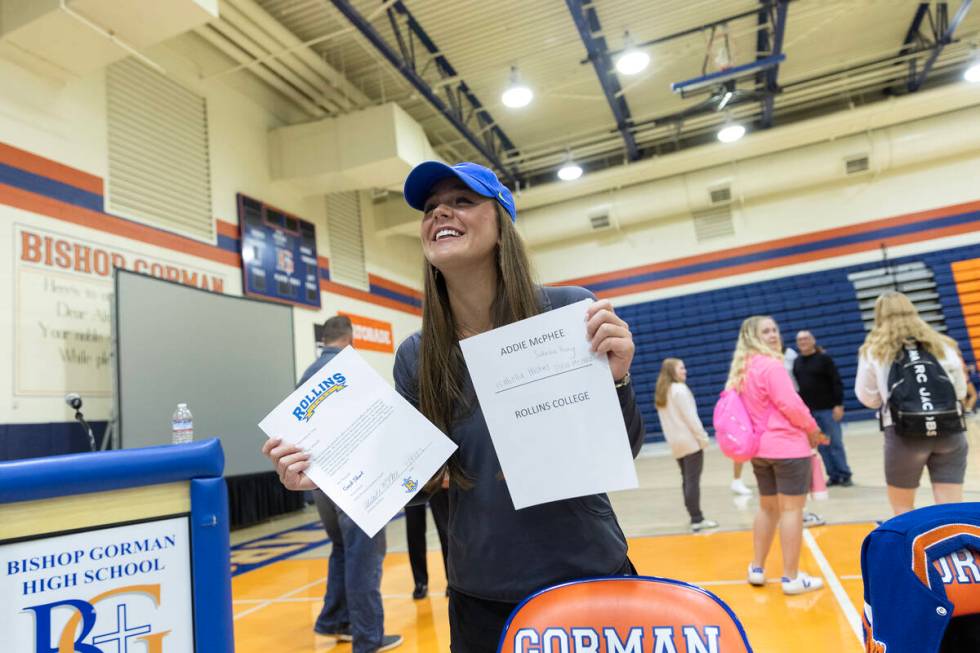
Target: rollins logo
316	394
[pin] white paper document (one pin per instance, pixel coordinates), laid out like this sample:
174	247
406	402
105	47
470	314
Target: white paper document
371	451
551	406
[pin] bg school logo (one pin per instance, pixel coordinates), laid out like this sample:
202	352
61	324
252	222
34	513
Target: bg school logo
316	396
116	635
410	484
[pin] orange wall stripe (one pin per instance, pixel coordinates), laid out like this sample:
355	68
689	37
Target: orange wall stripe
853	248
782	242
228	229
354	293
37	165
117	226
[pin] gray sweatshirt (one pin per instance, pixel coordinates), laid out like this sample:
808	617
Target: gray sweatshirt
503	554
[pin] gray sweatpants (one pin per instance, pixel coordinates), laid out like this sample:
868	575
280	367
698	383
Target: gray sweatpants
691	466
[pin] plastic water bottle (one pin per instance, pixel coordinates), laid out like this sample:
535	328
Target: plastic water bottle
183	425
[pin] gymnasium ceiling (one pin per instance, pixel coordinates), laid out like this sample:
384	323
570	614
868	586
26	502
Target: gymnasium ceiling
838	54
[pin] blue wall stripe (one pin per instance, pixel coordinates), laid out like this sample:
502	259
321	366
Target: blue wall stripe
229	244
804	248
50	188
398	297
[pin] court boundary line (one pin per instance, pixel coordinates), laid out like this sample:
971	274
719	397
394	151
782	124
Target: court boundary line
244	568
279	598
833	582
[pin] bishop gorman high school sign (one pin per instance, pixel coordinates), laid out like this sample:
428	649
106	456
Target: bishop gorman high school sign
112	590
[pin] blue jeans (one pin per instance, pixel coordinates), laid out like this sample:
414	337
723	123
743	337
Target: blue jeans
833	454
353	579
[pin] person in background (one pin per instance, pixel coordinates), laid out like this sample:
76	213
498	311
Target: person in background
787	433
415	538
477	277
352	609
738	485
897	322
823	393
789	359
678	413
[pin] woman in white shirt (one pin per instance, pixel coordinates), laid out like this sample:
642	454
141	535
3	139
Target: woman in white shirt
898	321
684	433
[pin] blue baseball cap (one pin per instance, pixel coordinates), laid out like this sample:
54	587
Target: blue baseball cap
480	180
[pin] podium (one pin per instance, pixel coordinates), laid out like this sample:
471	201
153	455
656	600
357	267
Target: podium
116	551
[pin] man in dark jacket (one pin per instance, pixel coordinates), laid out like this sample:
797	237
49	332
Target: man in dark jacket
822	391
352	610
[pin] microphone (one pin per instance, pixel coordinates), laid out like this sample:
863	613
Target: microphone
74	400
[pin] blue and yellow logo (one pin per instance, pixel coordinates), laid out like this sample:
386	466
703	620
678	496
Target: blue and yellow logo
410	484
317	394
83	620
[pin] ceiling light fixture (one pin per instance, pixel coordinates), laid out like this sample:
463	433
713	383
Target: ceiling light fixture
632	60
516	95
972	73
731	132
570	171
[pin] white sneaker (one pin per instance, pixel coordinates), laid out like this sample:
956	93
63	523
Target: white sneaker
802	583
757	576
703	525
812	519
738	487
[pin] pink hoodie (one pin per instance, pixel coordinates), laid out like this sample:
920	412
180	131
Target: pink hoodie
776	411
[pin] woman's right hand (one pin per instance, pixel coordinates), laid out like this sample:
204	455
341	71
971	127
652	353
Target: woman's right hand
817	438
290	462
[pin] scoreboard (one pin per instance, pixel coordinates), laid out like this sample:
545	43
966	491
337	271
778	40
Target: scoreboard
279	260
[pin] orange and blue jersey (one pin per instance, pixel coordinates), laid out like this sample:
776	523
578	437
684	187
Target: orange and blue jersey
921	571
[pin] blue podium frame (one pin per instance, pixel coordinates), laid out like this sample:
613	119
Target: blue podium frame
200	463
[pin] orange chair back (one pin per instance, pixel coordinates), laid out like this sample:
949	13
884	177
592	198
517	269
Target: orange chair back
624	613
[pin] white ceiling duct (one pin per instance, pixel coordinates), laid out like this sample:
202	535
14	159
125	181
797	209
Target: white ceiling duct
81	36
373	148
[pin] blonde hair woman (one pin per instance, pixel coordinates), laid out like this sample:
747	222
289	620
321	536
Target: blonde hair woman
896	322
782	465
684	433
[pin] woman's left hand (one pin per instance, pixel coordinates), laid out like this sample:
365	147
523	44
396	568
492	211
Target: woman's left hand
610	335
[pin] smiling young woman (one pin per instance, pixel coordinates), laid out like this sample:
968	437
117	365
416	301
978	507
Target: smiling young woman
477	277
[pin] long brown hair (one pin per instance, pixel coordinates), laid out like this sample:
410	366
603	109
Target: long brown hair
442	371
897	320
668	375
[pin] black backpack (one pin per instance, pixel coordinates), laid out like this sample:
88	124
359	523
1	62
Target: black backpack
922	399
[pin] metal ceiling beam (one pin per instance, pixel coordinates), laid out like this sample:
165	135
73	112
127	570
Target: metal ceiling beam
493	141
587	22
912	34
449	75
942	35
692	30
769	78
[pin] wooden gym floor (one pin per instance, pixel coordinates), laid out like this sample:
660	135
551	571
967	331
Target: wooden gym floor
280	567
